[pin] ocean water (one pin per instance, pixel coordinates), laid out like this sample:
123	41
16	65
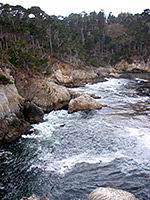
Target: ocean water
69	155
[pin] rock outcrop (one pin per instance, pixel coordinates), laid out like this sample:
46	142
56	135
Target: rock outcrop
12	122
31	96
77	77
110	194
32	113
43	93
50	96
136	66
83	102
34	197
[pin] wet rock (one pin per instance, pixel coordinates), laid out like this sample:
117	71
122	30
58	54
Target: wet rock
95	96
110	194
142	87
143	90
32	112
83	102
34	197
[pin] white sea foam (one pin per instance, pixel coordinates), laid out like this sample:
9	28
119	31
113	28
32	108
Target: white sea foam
142	135
65	165
41	130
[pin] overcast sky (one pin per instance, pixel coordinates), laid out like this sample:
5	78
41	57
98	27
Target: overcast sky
66	7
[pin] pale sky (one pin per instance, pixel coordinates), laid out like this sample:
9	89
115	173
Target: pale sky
66	7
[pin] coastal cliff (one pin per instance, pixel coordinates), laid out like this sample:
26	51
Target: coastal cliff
27	97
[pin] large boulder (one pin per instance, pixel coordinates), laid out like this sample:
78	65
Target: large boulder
50	96
44	93
83	102
110	194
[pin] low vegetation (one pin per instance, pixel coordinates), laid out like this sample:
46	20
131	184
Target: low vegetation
29	38
4	80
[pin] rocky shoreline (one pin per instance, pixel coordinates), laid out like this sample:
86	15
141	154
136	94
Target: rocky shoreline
28	97
26	100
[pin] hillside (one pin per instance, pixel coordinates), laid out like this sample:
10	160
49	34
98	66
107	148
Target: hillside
31	39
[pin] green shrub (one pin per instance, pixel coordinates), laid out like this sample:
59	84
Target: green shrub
5	80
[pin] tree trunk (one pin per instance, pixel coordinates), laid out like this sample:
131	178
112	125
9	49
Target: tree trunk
50	41
82	36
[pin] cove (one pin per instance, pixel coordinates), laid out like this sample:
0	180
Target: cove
69	155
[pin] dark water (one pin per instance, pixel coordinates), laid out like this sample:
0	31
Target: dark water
69	155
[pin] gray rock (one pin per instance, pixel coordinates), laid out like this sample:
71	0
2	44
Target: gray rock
51	96
110	194
32	112
12	123
43	93
9	100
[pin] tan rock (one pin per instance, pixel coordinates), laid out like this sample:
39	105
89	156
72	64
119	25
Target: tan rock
135	66
34	197
43	92
62	79
9	100
83	102
110	194
115	75
74	94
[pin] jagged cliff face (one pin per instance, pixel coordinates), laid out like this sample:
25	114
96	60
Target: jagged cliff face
30	97
12	122
10	100
64	74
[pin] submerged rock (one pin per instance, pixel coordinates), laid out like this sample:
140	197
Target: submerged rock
83	102
110	194
34	197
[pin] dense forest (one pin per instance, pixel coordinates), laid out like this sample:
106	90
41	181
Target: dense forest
30	38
